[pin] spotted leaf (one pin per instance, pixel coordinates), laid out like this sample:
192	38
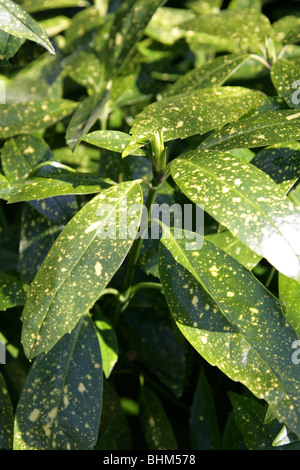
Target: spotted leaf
281	162
60	404
214	72
289	294
12	293
26	118
190	113
285	75
156	426
268	128
246	201
59	183
115	141
128	27
14	20
232	321
241	30
6	418
21	154
92	246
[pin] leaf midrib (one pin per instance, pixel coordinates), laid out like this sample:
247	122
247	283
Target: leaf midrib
257	207
69	273
194	273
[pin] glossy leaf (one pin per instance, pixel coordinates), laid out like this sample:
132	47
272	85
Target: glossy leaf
215	72
190	113
204	429
108	343
62	182
15	20
285	77
163	26
281	162
271	127
32	6
6	418
287	29
155	423
205	6
232	245
37	235
38	81
232	321
26	118
58	298
85	116
129	24
63	387
244	4
21	154
250	417
241	30
246	201
115	141
12	293
289	294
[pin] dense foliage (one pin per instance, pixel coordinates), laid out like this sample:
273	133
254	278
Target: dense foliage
110	108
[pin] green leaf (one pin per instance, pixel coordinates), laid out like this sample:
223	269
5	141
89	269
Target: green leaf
108	343
14	20
21	154
244	4
190	113
147	327
26	118
85	116
32	6
6	418
115	141
156	427
268	128
246	201
287	29
249	415
232	245
240	30
232	321
61	181
205	6
37	235
204	430
58	297
9	45
39	80
128	27
281	162
4	187
163	26
285	77
60	404
215	72
114	431
12	293
289	293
